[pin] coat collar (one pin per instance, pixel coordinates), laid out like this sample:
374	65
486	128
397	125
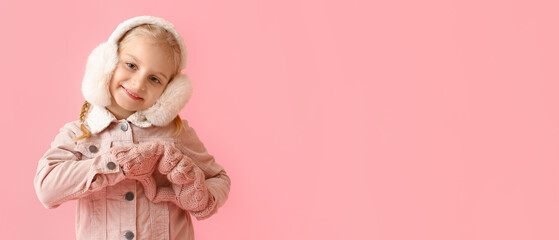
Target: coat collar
100	118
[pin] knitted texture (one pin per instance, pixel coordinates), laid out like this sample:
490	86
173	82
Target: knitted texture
188	185
188	188
138	162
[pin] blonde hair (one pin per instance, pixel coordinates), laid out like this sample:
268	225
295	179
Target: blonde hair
156	33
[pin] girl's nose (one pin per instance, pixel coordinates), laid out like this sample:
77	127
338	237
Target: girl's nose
139	83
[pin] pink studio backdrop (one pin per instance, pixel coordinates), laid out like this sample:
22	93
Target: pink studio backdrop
334	119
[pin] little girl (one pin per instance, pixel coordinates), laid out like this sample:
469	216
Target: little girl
137	170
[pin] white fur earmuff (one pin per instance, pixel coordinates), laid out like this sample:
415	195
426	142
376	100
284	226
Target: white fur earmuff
102	62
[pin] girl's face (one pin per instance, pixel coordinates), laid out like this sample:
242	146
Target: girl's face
142	73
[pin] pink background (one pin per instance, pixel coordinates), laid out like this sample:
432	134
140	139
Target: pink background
334	119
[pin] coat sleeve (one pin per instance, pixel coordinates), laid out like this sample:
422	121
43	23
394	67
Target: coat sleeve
217	180
63	175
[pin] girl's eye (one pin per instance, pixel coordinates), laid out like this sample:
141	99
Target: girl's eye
130	65
154	79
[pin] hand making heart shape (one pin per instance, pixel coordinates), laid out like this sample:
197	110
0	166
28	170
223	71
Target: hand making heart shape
188	189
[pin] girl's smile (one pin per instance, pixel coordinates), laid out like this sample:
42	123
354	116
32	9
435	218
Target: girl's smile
132	94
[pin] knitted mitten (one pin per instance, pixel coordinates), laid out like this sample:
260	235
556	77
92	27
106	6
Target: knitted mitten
188	188
138	162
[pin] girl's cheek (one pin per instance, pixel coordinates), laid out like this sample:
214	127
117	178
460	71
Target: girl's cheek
119	73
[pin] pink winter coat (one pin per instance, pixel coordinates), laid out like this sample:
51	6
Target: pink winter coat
109	205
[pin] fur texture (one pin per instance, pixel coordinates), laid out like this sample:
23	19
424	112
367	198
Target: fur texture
102	62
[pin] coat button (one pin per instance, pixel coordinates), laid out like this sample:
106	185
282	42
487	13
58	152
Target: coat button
111	165
129	196
129	235
93	149
124	127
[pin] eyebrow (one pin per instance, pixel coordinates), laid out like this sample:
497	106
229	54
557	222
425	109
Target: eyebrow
135	59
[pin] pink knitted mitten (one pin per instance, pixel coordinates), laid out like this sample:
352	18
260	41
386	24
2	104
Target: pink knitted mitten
188	188
138	162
